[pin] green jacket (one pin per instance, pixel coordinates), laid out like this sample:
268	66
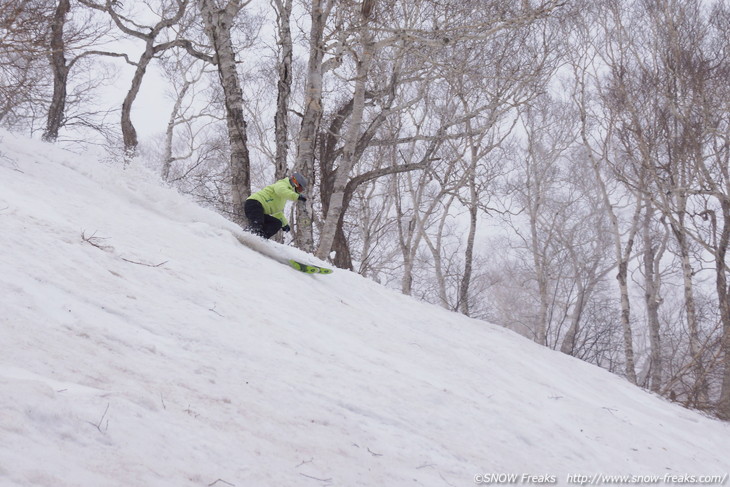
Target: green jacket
274	197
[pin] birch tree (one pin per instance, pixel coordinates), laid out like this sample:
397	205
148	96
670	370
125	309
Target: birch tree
190	118
654	246
535	185
218	22
520	63
283	10
665	87
317	66
364	47
363	55
596	135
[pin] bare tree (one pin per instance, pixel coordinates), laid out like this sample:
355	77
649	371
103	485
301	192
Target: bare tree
218	23
520	63
317	66
24	86
60	71
596	133
365	46
170	14
76	39
548	136
283	9
654	244
664	89
187	127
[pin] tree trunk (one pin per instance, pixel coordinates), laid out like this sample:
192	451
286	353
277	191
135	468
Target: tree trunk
473	213
283	87
406	285
344	260
60	72
438	268
343	257
468	254
406	234
348	157
700	390
723	293
312	112
129	133
167	156
218	24
411	233
538	260
623	284
622	254
571	336
652	297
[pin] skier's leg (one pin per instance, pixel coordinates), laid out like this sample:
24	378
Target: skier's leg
255	216
271	226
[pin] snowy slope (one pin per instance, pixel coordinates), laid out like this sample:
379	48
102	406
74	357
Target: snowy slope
175	356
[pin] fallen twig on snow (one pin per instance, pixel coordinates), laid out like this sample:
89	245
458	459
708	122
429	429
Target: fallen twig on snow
221	480
98	425
142	263
315	478
96	241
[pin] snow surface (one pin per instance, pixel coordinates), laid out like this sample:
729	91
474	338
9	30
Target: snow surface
175	356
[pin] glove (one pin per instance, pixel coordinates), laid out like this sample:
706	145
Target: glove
286	228
302	198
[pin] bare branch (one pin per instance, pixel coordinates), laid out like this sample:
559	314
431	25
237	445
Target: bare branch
144	264
96	241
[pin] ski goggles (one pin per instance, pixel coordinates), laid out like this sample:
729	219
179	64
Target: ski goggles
298	187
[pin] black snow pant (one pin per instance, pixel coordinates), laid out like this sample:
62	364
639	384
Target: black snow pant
259	223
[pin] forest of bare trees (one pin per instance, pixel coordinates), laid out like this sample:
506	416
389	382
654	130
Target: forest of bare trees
557	167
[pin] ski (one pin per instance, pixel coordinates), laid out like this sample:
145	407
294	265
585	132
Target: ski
309	269
265	248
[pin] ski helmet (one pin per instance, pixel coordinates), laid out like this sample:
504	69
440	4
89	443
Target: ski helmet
299	181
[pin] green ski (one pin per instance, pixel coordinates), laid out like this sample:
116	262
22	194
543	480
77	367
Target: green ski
309	269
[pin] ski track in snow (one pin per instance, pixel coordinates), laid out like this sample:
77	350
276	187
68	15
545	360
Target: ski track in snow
168	354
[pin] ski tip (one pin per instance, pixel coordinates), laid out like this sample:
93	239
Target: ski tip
309	269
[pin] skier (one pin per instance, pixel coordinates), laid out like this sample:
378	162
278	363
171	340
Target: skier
265	208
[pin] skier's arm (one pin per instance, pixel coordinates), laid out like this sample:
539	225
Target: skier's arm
284	189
